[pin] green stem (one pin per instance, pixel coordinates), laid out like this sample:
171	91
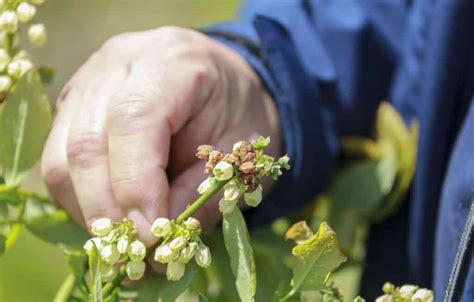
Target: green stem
109	287
66	289
200	201
29	194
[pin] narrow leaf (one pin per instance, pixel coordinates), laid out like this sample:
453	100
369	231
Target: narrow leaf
298	232
24	125
3	240
238	247
95	264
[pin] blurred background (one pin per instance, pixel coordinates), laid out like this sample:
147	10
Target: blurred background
32	270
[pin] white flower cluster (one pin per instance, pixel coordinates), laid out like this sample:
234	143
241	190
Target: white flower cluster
14	63
180	244
405	293
117	245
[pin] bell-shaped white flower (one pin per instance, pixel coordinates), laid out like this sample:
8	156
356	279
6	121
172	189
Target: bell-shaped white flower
90	244
407	291
187	253
37	34
137	250
109	254
108	273
207	184
5	83
18	68
9	21
423	295
164	254
192	224
203	256
102	226
161	227
175	271
223	171
135	270
4	59
122	244
227	206
25	11
254	198
233	190
384	298
178	243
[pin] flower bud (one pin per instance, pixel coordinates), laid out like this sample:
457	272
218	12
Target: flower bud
192	224
178	243
161	227
137	250
203	256
407	291
108	273
135	270
102	226
423	295
223	171
388	288
90	243
122	244
206	185
37	34
109	254
175	271
164	254
253	199
233	190
187	253
9	21
25	11
384	298
4	59
227	206
5	83
18	68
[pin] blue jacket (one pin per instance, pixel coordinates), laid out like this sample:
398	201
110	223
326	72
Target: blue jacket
328	64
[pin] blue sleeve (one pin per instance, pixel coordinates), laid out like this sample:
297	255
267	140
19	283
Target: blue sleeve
327	65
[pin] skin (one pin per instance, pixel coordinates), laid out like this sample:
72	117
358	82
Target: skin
129	120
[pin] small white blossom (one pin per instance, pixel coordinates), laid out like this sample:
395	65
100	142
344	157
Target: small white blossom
122	244
37	34
178	243
108	273
187	253
164	254
227	206
4	59
233	190
206	185
175	271
223	171
203	256
135	270
18	68
161	227
5	83
9	21
90	243
192	224
384	298
25	11
423	295
102	226
109	254
137	250
407	291
253	199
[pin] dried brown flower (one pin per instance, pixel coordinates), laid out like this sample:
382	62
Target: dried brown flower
248	167
231	159
215	156
203	151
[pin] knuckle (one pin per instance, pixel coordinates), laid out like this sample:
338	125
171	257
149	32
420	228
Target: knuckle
54	173
130	111
83	147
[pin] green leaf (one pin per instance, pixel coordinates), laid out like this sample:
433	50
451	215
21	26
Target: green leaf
95	264
202	298
53	225
299	232
3	244
238	247
315	259
24	126
9	194
46	74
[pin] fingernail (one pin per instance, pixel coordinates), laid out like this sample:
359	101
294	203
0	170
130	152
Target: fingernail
143	227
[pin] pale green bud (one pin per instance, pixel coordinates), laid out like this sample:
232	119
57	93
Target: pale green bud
18	68
4	59
384	298
359	299
109	254
90	244
161	227
175	271
388	288
227	206
187	253
5	83
253	199
108	273
192	224
423	295
37	34
233	190
122	244
178	243
203	256
25	12
135	270
9	21
284	162
206	185
407	291
223	171
102	226
137	250
164	254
